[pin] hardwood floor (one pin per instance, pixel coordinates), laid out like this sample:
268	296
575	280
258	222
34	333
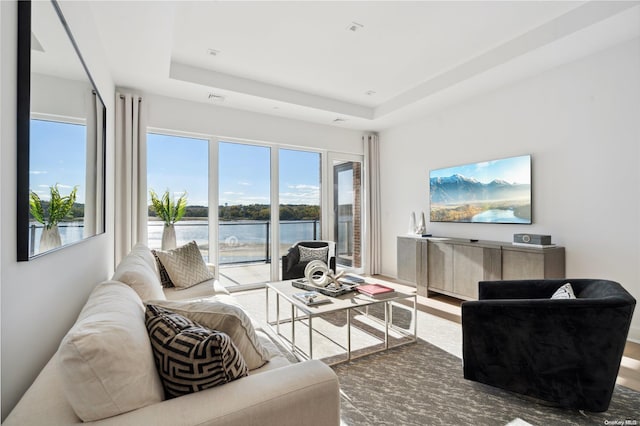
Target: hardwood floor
449	309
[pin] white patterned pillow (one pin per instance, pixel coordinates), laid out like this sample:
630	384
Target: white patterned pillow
188	356
307	254
564	292
223	313
185	265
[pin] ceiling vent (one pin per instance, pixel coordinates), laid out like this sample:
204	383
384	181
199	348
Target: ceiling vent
213	52
354	26
370	92
216	97
339	120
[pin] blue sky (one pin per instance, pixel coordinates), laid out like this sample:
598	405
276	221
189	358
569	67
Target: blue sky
57	156
513	170
179	164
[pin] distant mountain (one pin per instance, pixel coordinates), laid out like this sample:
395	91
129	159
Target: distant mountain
456	189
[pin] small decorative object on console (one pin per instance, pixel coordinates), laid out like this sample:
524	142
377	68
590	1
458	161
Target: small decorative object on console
312	298
375	290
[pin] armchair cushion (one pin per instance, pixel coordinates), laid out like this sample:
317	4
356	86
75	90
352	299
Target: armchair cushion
564	292
307	254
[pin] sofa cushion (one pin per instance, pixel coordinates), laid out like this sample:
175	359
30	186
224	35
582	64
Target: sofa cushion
165	280
190	357
137	270
105	361
203	290
223	313
185	265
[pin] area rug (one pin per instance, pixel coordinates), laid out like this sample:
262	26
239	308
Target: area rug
420	384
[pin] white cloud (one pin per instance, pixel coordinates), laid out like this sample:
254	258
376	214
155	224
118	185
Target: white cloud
38	172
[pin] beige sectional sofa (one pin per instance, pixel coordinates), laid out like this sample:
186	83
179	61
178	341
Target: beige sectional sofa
104	373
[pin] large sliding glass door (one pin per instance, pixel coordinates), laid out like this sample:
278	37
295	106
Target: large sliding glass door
253	184
347	208
299	192
244	214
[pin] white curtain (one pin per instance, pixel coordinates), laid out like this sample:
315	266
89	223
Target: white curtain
131	174
94	180
372	183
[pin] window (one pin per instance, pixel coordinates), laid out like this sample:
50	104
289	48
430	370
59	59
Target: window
299	191
180	165
244	213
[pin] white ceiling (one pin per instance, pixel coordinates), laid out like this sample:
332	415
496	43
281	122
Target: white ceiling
300	60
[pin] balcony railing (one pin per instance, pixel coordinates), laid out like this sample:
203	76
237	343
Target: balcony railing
70	232
238	241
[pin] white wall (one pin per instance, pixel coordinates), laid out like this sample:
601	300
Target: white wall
185	116
41	298
580	124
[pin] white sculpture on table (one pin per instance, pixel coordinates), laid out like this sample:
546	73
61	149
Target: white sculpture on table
318	273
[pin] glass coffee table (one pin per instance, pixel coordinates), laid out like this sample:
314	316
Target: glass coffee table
375	321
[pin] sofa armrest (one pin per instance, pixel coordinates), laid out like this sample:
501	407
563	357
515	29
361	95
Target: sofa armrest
305	393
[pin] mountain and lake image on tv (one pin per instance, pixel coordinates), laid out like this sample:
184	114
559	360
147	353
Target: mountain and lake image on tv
497	191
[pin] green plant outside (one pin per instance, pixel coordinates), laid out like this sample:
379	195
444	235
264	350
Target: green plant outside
58	209
166	208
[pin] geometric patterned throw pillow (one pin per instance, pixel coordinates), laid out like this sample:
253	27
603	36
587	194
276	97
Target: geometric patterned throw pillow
164	276
185	265
189	357
307	254
564	292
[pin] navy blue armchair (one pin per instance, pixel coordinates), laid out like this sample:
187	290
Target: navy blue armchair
563	351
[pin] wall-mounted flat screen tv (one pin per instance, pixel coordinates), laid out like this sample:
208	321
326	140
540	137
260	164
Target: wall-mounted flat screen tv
497	191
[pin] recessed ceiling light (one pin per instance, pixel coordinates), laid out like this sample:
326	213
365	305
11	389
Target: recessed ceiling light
354	26
216	97
370	92
213	52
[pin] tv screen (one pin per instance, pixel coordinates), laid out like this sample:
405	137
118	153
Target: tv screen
497	191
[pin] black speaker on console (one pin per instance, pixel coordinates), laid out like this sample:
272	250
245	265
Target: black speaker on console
532	239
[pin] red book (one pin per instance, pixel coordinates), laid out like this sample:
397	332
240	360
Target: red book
374	290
